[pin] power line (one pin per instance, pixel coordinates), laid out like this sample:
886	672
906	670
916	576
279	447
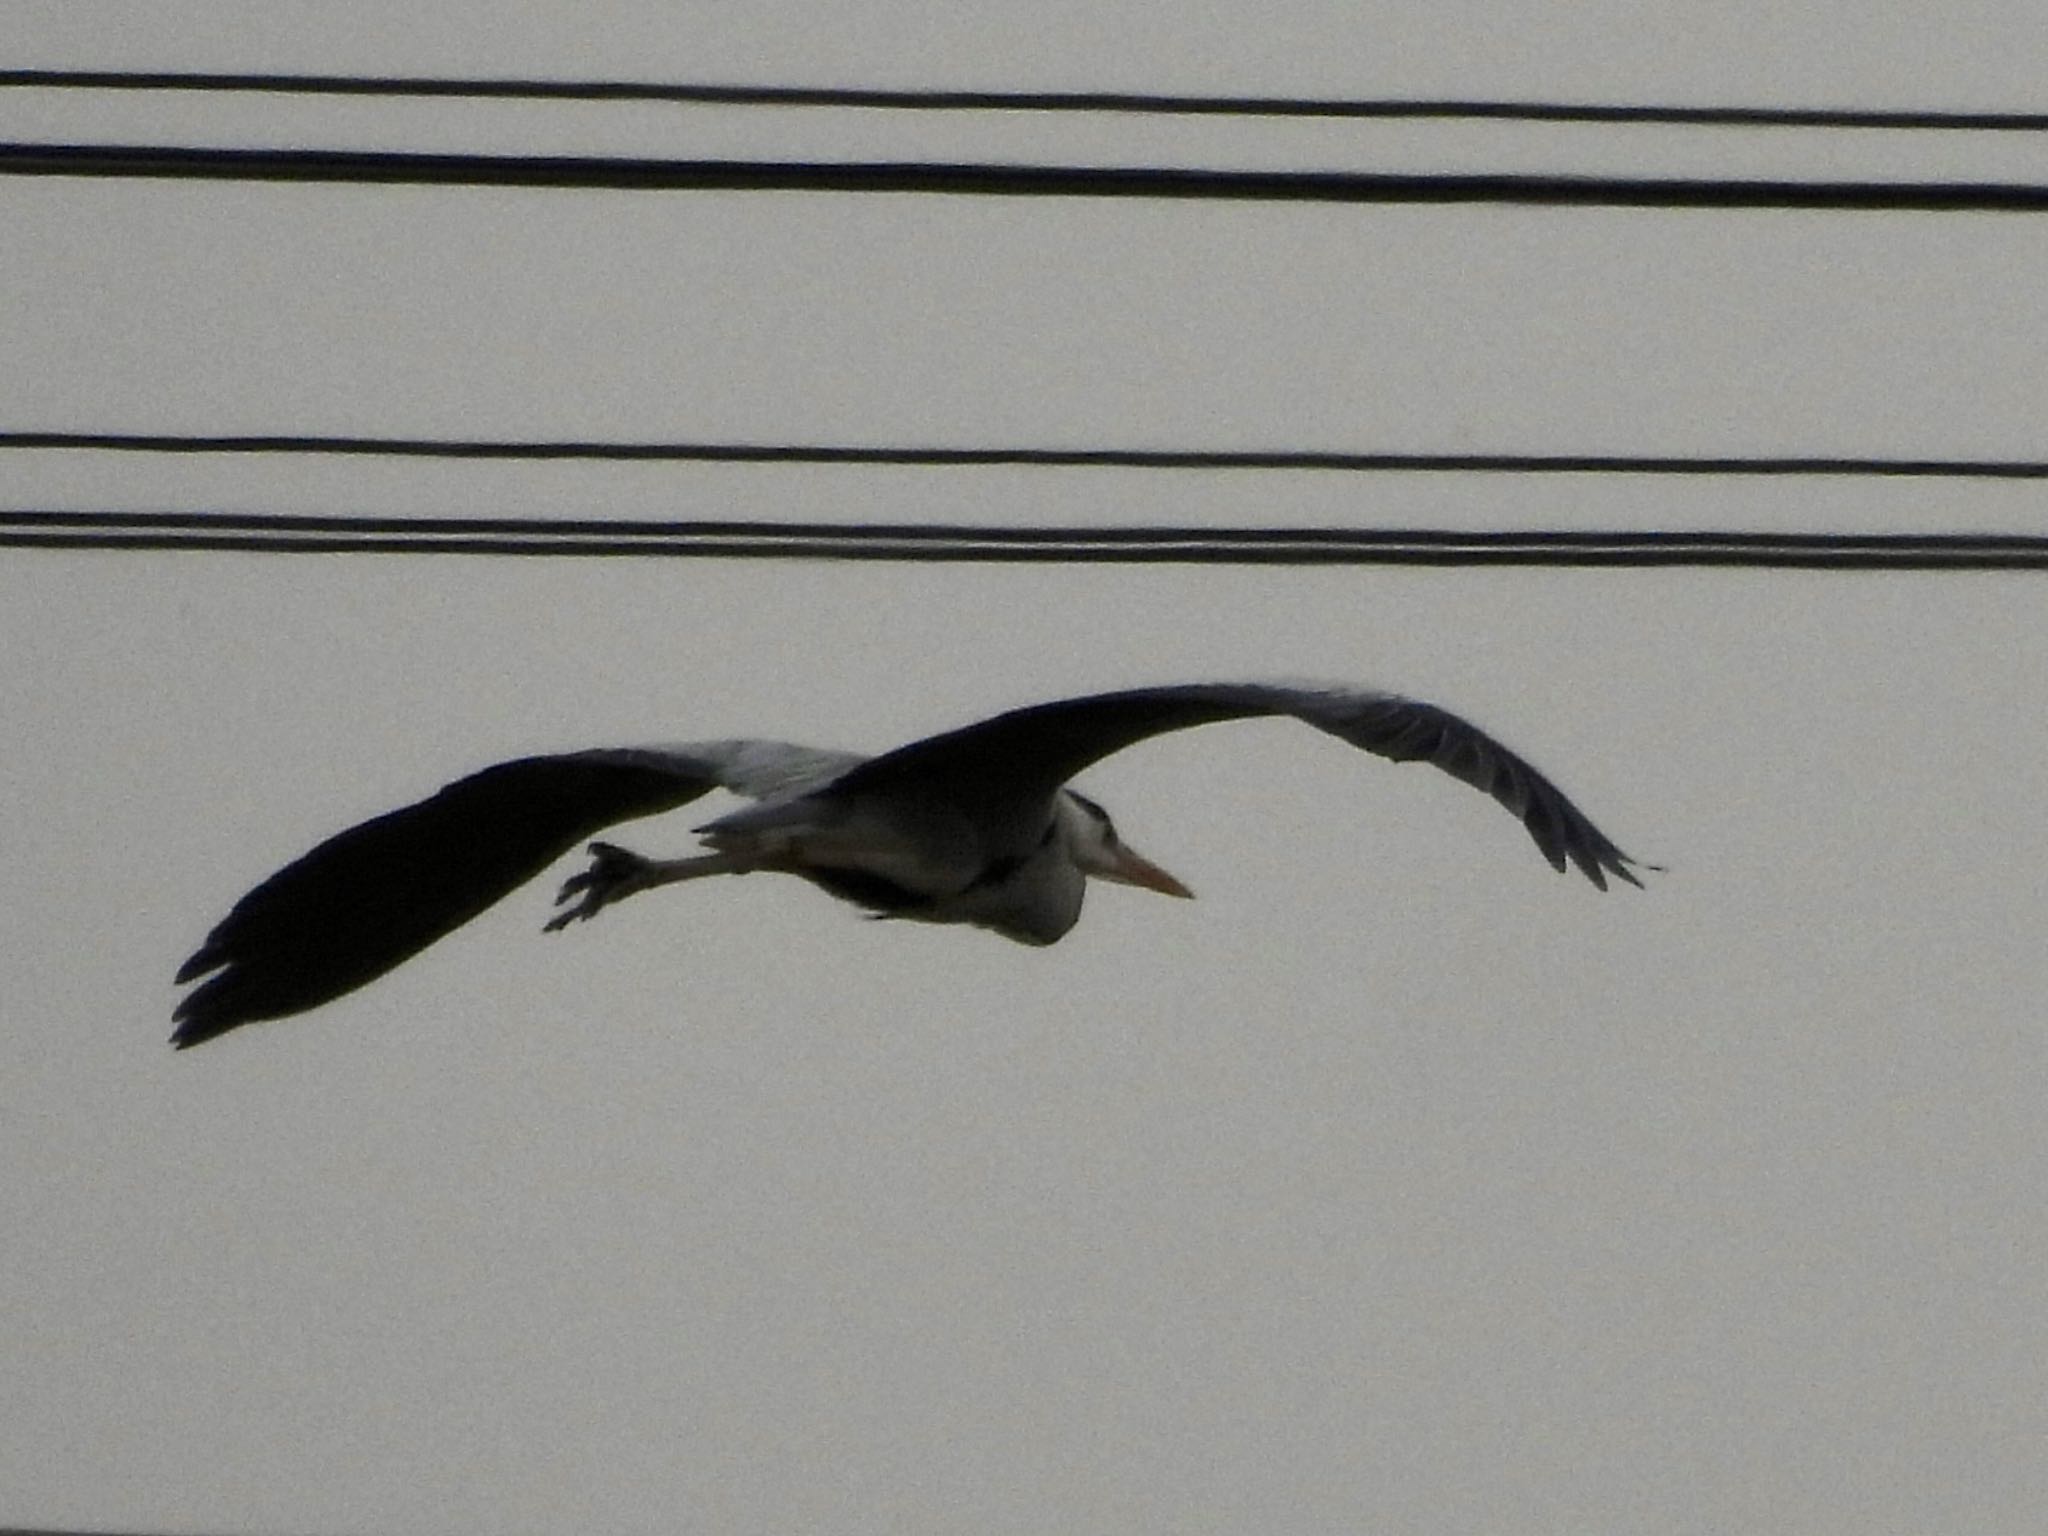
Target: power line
1137	102
626	173
263	533
1768	465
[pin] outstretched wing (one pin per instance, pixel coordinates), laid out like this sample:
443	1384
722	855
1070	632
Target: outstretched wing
372	897
1029	753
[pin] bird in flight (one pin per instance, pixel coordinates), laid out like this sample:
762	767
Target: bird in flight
974	826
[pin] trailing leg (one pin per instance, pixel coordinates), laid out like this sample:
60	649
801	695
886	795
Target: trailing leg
616	873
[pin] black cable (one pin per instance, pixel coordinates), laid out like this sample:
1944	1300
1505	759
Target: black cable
265	533
1054	458
1158	103
617	173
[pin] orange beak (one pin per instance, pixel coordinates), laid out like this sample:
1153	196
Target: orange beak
1132	868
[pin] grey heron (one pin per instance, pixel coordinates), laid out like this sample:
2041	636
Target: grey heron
974	826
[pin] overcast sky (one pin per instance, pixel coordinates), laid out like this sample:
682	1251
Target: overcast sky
1394	1185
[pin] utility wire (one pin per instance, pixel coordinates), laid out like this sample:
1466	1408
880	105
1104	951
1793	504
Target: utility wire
622	173
1057	458
1140	102
959	543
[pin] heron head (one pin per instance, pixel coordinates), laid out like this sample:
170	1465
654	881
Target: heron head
1097	850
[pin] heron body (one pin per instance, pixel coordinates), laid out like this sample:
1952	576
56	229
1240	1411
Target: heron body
975	826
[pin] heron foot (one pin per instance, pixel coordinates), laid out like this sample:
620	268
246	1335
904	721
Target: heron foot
614	874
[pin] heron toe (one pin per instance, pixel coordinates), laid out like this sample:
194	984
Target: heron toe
614	874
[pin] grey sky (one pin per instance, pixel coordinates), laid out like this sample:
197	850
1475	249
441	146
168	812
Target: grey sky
1396	1184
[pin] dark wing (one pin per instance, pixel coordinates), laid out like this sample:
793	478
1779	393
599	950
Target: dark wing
1028	753
374	896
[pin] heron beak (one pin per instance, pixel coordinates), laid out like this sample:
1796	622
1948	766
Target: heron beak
1130	868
